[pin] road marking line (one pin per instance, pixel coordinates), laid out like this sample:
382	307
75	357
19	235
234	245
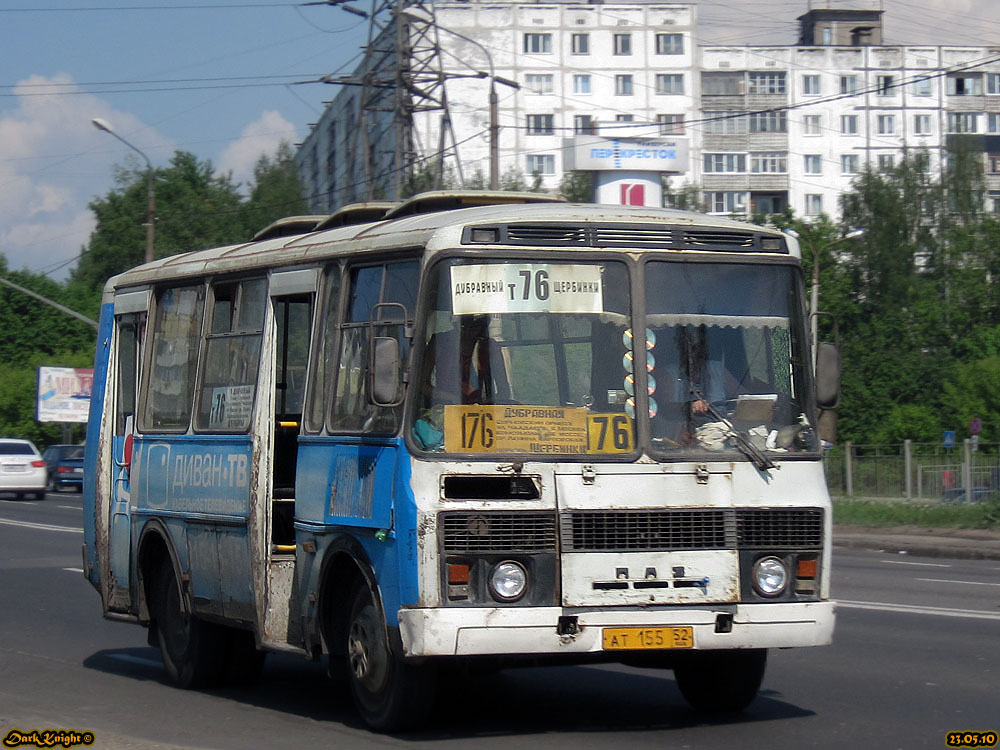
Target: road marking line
74	570
137	660
920	610
40	526
69	507
926	565
971	583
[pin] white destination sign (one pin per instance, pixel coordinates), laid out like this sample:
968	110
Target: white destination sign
526	287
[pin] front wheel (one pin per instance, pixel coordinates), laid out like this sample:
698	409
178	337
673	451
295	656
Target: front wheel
390	694
721	681
193	650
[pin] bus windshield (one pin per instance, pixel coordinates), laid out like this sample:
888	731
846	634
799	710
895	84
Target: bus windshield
726	358
524	357
540	358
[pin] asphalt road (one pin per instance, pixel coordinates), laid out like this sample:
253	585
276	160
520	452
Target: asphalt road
915	656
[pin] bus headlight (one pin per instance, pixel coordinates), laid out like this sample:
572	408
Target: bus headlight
508	581
770	576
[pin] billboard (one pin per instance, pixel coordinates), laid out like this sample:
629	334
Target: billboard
596	153
63	394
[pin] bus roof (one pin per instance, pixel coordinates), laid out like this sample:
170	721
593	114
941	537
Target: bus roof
550	225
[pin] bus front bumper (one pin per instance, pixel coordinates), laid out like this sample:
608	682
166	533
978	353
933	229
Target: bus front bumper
521	630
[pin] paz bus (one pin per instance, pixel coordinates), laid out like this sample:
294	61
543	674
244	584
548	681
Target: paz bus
469	430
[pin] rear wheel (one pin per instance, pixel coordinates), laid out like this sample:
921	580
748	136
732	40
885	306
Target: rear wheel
390	694
193	650
721	681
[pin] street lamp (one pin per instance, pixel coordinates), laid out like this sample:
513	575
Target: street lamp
150	195
421	16
814	304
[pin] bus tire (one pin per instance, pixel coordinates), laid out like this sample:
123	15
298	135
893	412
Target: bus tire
721	681
193	650
390	694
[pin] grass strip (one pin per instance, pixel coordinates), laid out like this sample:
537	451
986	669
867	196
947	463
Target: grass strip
980	515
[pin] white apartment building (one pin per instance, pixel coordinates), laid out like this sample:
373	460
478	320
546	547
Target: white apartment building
625	91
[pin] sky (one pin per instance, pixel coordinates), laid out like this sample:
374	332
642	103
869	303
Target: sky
230	79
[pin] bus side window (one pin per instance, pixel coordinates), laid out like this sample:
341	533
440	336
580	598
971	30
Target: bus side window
369	285
170	380
323	371
130	330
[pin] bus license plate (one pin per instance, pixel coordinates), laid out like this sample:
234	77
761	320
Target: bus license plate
619	639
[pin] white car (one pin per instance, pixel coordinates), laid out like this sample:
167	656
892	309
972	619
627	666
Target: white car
22	469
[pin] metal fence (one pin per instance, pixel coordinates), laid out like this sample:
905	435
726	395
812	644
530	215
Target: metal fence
914	471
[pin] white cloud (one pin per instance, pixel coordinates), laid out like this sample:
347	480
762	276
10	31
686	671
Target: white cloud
53	162
261	137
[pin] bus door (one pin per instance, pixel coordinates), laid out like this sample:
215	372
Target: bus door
130	324
292	299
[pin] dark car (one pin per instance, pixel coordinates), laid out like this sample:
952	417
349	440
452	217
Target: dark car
65	466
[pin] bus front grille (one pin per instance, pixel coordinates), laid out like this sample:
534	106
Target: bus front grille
474	531
691	529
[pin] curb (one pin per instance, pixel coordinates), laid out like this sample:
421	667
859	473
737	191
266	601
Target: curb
961	544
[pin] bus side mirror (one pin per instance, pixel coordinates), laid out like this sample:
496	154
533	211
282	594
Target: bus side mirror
385	372
827	376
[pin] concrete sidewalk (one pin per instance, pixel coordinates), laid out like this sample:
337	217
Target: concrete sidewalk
968	544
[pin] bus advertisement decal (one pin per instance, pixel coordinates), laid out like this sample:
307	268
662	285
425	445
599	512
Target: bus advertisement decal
526	288
542	430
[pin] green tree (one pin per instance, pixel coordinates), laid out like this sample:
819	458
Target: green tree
276	191
577	187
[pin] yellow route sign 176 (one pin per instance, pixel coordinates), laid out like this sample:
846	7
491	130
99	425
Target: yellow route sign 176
542	430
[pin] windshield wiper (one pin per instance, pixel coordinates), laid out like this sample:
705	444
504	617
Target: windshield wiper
746	447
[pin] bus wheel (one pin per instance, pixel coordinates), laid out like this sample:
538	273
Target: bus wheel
192	649
390	694
721	681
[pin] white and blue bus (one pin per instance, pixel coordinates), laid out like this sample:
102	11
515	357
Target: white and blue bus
508	432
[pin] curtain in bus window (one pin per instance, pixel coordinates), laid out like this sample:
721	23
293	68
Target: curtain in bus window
176	332
232	357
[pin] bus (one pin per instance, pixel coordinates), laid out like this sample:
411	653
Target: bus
471	431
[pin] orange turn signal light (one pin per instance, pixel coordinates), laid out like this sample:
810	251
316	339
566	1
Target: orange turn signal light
458	573
806	569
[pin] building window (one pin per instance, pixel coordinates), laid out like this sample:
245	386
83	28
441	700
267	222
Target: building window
965	84
993	122
540	164
623	44
775	162
670	124
812	164
541	124
814	204
886	163
670	44
922	87
624	118
725	123
922	162
922	124
584	125
993	163
810	85
963	122
581	84
727	202
884	85
580	44
812	124
994	202
537	44
993	83
669	83
849	124
722	84
886	124
768	122
718	163
623	85
539	83
848	163
766	83
848	84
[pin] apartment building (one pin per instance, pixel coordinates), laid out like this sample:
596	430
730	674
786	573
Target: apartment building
626	91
